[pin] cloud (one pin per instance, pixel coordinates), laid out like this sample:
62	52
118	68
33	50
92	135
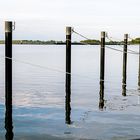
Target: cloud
50	17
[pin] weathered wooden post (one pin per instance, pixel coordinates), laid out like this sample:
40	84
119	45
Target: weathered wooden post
124	65
8	62
68	73
102	69
8	79
68	56
139	68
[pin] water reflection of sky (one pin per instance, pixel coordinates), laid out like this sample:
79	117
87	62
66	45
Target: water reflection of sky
39	95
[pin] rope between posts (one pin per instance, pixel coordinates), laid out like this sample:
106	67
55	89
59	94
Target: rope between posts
43	67
57	70
130	51
110	48
106	81
81	35
122	46
121	50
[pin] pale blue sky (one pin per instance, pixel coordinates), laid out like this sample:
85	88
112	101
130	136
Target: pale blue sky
46	19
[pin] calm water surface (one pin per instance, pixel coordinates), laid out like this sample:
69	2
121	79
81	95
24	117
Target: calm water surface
39	95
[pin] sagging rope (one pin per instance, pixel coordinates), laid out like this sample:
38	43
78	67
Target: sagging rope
130	51
56	70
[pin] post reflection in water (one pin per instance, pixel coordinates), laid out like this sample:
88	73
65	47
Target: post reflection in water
124	89
68	99
101	94
8	120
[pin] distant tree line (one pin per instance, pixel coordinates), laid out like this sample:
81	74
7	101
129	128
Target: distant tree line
82	42
92	42
97	42
135	41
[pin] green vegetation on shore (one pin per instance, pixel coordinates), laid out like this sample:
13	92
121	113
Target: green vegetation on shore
92	42
135	41
97	42
34	42
52	42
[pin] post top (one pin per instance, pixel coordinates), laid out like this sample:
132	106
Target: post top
125	36
103	33
8	26
68	30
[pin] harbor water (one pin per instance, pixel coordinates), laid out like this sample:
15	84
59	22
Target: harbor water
39	97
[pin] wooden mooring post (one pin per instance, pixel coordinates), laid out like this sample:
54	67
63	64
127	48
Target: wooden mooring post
8	80
139	68
124	65
102	70
68	57
68	74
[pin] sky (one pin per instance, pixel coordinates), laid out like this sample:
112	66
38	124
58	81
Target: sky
47	19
